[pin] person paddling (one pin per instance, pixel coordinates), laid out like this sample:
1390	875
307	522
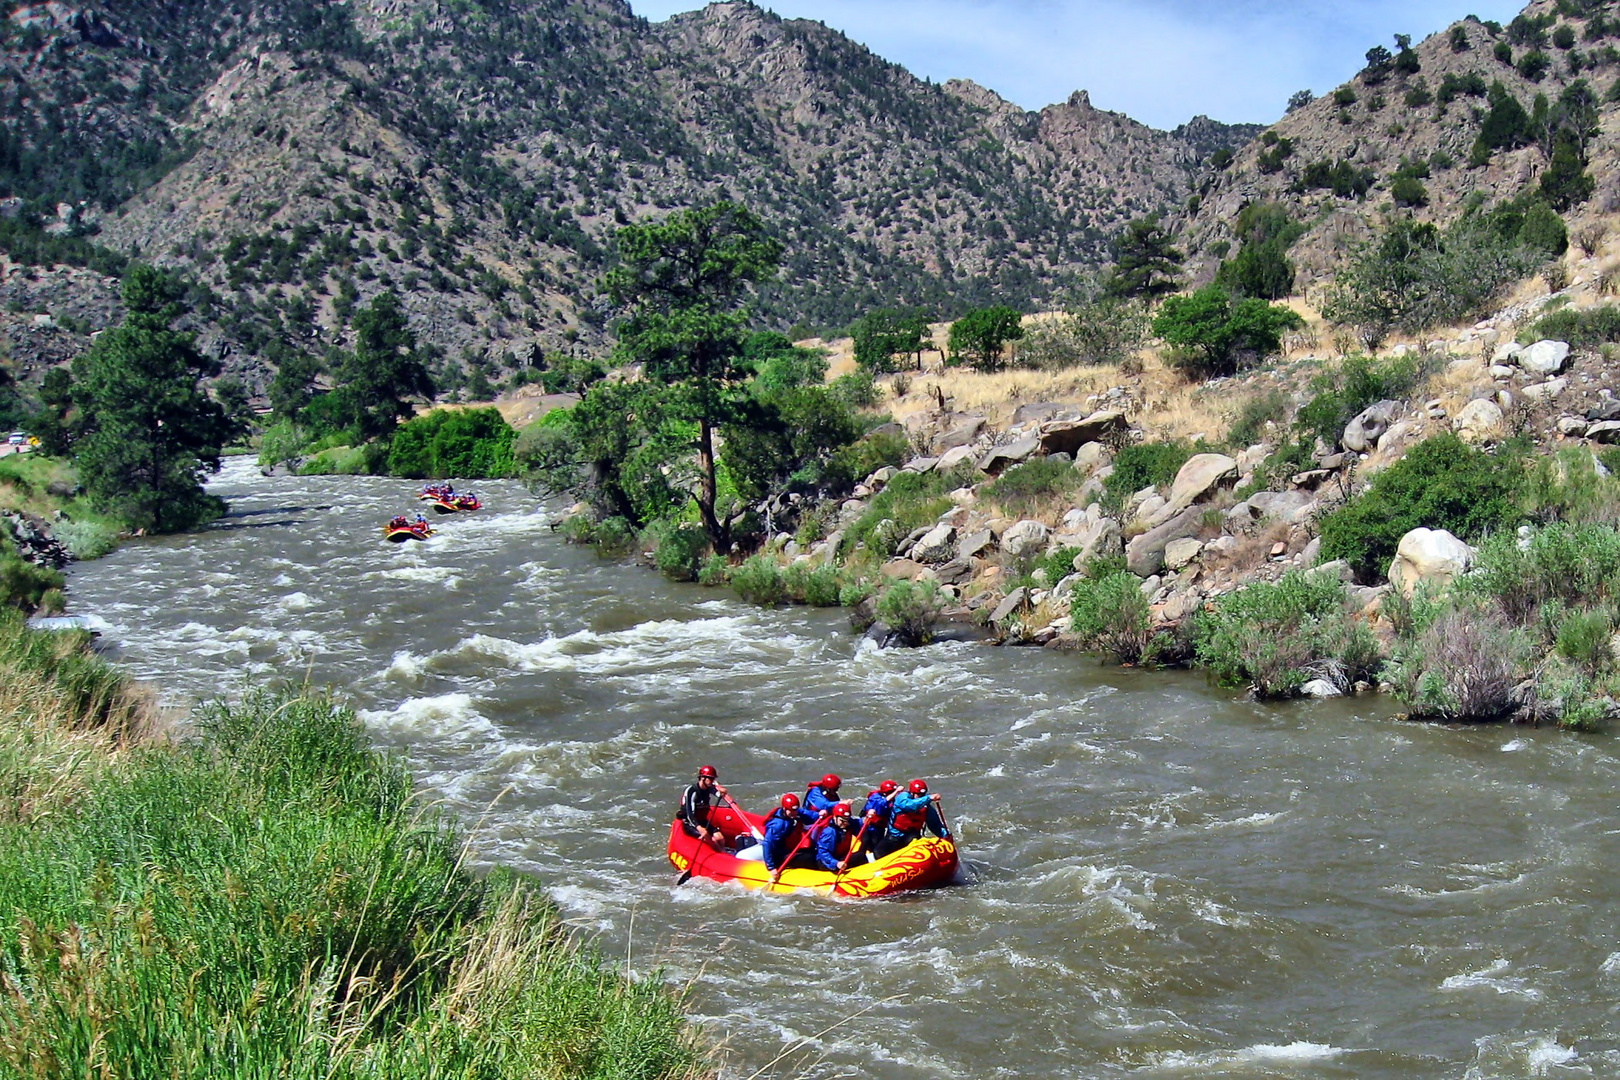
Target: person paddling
695	807
782	834
914	810
835	837
822	795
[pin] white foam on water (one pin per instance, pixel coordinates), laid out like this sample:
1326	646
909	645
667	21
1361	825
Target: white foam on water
1493	978
1258	1054
1252	819
1515	1055
298	601
1611	966
444	715
1513	746
428	575
1219	914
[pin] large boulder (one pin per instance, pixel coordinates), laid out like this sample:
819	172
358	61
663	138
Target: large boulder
1038	411
953	457
1178	553
975	543
1003	458
1099	539
1544	357
1203	474
1478	421
962	434
1068	436
1091	457
1428	555
936	546
1144	555
1290	506
1361	434
1025	537
1604	431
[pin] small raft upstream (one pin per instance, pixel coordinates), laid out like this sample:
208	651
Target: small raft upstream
396	533
922	864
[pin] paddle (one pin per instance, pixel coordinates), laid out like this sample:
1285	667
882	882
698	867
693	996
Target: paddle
752	828
776	875
844	865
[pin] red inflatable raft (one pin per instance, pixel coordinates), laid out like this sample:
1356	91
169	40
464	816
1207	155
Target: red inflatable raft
922	864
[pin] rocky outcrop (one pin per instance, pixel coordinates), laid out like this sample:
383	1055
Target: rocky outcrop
1201	475
1068	436
1479	421
1433	556
1544	357
1144	555
1362	433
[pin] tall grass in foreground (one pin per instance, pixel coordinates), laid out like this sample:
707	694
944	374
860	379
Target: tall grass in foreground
266	900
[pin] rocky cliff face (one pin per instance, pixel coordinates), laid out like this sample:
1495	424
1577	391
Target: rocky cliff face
299	158
1426	112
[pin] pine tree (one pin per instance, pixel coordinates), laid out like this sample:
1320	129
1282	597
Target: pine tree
147	433
385	371
1146	264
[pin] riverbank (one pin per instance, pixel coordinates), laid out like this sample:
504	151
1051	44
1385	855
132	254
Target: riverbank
263	895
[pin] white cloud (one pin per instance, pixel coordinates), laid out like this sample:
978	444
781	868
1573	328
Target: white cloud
1160	61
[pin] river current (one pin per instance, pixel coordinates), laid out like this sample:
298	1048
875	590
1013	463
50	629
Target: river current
1164	880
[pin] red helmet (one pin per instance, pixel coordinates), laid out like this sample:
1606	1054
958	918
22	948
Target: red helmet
918	787
708	771
888	787
790	801
830	782
840	809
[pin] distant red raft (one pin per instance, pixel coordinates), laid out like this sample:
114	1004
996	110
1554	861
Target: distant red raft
457	504
922	864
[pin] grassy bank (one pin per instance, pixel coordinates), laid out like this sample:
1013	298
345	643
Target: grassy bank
266	898
48	488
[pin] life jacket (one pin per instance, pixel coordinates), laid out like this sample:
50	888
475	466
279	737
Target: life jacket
910	821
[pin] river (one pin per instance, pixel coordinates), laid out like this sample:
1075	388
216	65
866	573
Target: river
1165	880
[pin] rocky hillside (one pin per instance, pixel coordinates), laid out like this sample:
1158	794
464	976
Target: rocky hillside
1334	162
297	158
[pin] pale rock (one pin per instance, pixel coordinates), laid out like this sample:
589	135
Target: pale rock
1604	431
1320	688
921	465
1544	357
1150	585
1068	436
1222	546
1180	605
1571	425
882	476
901	569
963	496
1202	474
1547	390
1428	555
1479	420
1506	351
862	491
1364	430
1279	549
975	543
1103	538
1009	604
1337	568
1074	520
1249	459
1002	458
1500	371
1144	555
953	457
1024	537
1139	497
960	436
1178	553
1091	457
1312	552
936	546
1504	400
1152	507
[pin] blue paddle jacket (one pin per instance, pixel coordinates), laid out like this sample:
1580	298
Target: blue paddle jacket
818	800
781	835
830	838
907	803
879	803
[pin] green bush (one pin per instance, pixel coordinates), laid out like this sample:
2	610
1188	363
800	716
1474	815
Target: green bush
851	464
1584	637
911	609
614	537
1597	325
470	444
1342	391
1442	483
1249	423
715	571
1574	565
23	584
86	539
1141	465
679	549
908	501
1463	666
1111	616
1216	334
1277	637
817	586
1026	488
759	581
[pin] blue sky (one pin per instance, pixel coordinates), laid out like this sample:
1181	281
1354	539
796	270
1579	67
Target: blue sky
1160	61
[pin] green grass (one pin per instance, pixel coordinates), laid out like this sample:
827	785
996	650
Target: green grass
268	899
909	501
26	481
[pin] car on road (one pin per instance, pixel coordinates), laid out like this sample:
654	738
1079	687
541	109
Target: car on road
17	438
